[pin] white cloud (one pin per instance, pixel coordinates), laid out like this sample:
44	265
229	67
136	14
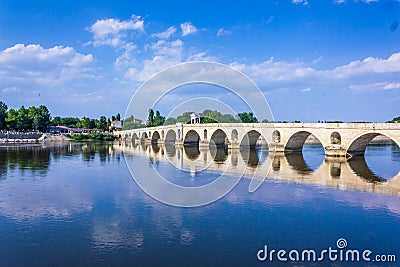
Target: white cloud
9	90
391	86
222	32
339	1
304	90
202	56
165	34
113	31
369	65
188	28
359	88
272	71
33	64
304	2
126	59
367	75
164	54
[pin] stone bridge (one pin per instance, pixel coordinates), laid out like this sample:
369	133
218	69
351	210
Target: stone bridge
338	139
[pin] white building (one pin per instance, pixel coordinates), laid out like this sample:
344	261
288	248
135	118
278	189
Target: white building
194	118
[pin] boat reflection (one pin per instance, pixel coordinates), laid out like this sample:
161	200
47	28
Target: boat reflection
352	174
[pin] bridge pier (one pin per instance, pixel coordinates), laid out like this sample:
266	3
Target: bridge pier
204	144
158	141
277	148
234	145
335	151
178	143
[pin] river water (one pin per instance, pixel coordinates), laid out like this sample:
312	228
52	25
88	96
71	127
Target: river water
76	204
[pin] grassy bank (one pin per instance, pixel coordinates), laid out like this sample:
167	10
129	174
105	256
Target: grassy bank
94	136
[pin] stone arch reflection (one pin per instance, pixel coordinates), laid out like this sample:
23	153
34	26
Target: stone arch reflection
334	172
170	149
221	155
254	156
360	167
297	163
192	152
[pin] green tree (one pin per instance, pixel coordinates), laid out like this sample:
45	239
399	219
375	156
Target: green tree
170	121
212	116
132	123
158	119
24	122
41	118
71	122
118	117
87	123
184	118
150	118
102	123
395	120
247	117
12	119
3	115
57	121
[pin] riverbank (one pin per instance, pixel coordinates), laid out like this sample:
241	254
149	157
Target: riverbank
48	137
24	138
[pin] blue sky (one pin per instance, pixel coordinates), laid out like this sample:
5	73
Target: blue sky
313	60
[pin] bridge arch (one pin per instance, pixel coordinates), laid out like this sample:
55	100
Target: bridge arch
276	136
155	137
126	136
296	142
135	137
336	138
191	138
171	136
143	137
219	137
359	144
234	136
250	139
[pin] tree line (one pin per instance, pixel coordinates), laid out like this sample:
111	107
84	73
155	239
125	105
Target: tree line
155	118
39	118
24	119
214	116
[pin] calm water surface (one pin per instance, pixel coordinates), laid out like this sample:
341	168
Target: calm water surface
77	205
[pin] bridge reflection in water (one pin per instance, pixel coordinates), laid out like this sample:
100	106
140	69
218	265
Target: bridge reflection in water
338	172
